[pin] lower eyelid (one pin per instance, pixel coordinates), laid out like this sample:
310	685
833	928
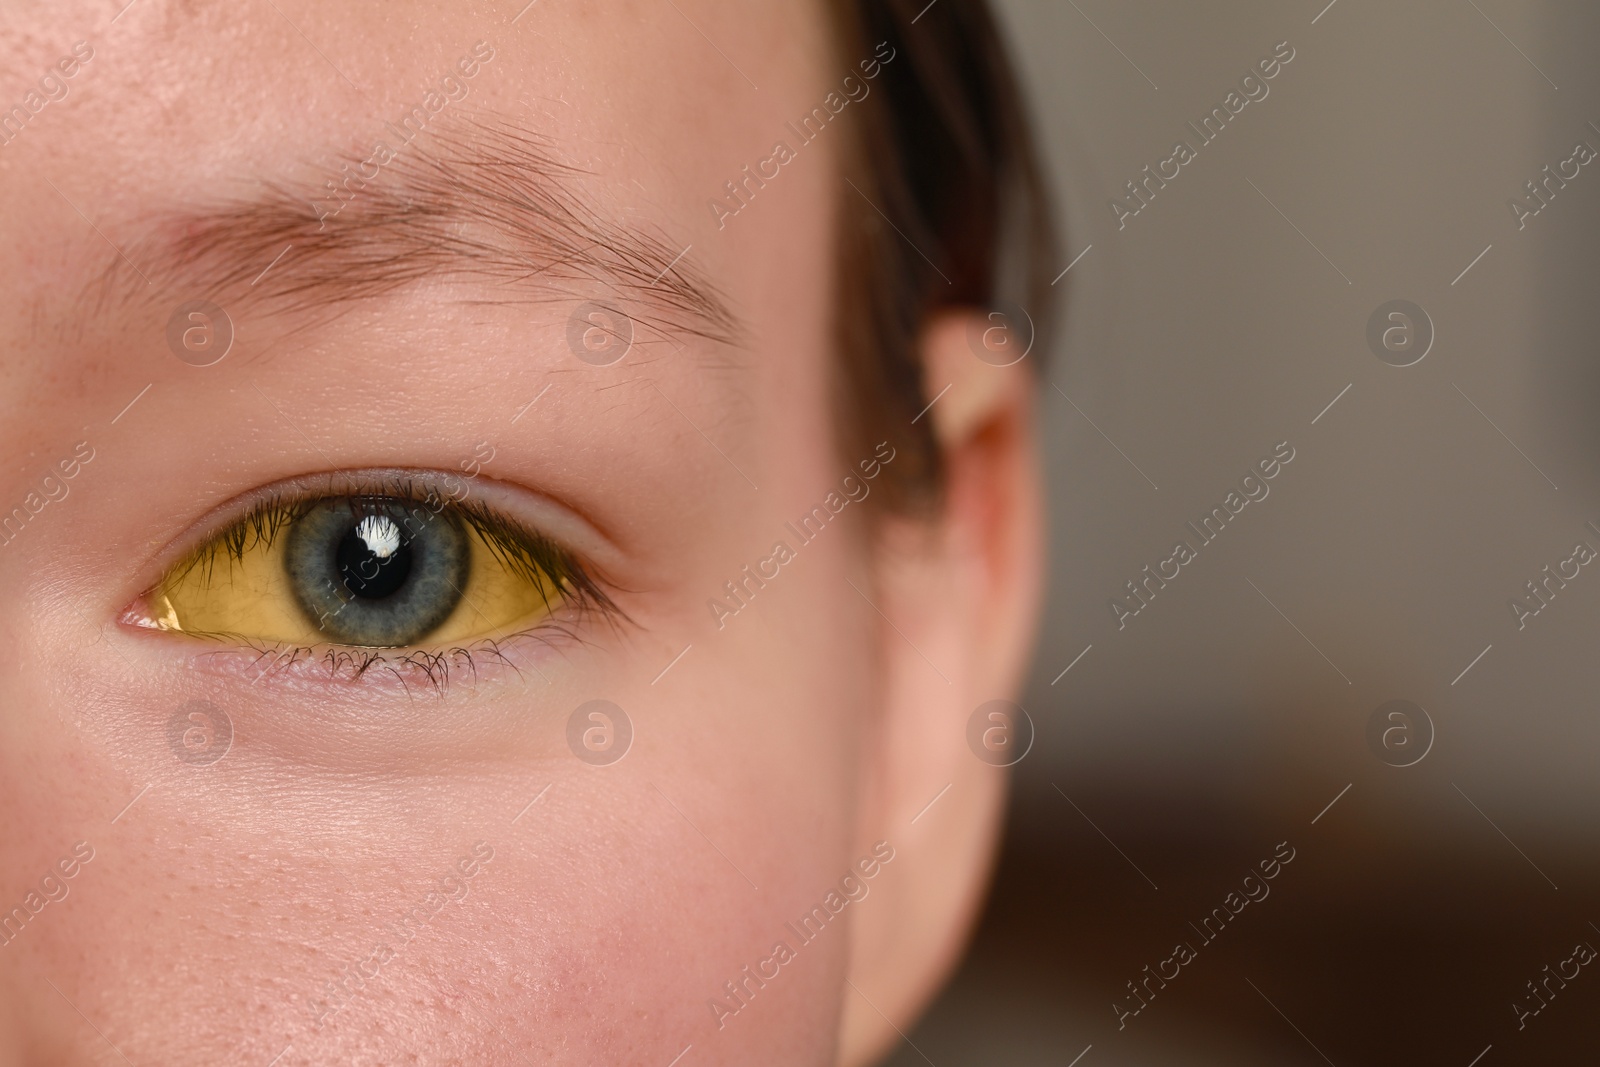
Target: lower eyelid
392	672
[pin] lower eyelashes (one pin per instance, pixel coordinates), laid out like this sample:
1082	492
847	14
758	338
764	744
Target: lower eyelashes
375	570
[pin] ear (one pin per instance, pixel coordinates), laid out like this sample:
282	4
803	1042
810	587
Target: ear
961	596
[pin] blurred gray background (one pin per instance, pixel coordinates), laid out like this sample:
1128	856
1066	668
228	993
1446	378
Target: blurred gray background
1177	752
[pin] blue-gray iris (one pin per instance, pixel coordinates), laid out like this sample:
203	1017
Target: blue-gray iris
381	572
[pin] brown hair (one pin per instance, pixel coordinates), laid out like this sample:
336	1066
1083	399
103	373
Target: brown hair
950	210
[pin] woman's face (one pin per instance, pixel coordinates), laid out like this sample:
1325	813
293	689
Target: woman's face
280	858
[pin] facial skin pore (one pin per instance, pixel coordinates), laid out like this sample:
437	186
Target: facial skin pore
323	859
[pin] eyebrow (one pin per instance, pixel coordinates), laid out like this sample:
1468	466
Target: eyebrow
485	202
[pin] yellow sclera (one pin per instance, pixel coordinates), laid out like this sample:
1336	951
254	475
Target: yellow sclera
247	596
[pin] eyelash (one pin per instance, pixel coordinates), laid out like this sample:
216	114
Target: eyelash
522	550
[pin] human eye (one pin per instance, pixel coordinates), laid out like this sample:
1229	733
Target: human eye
377	563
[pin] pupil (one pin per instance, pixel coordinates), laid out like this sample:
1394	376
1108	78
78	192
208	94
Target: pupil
372	558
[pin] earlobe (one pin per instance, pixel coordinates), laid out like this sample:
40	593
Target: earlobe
961	593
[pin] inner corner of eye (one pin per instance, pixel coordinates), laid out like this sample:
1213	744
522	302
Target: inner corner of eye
362	570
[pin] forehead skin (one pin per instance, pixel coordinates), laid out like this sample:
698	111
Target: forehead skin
220	904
